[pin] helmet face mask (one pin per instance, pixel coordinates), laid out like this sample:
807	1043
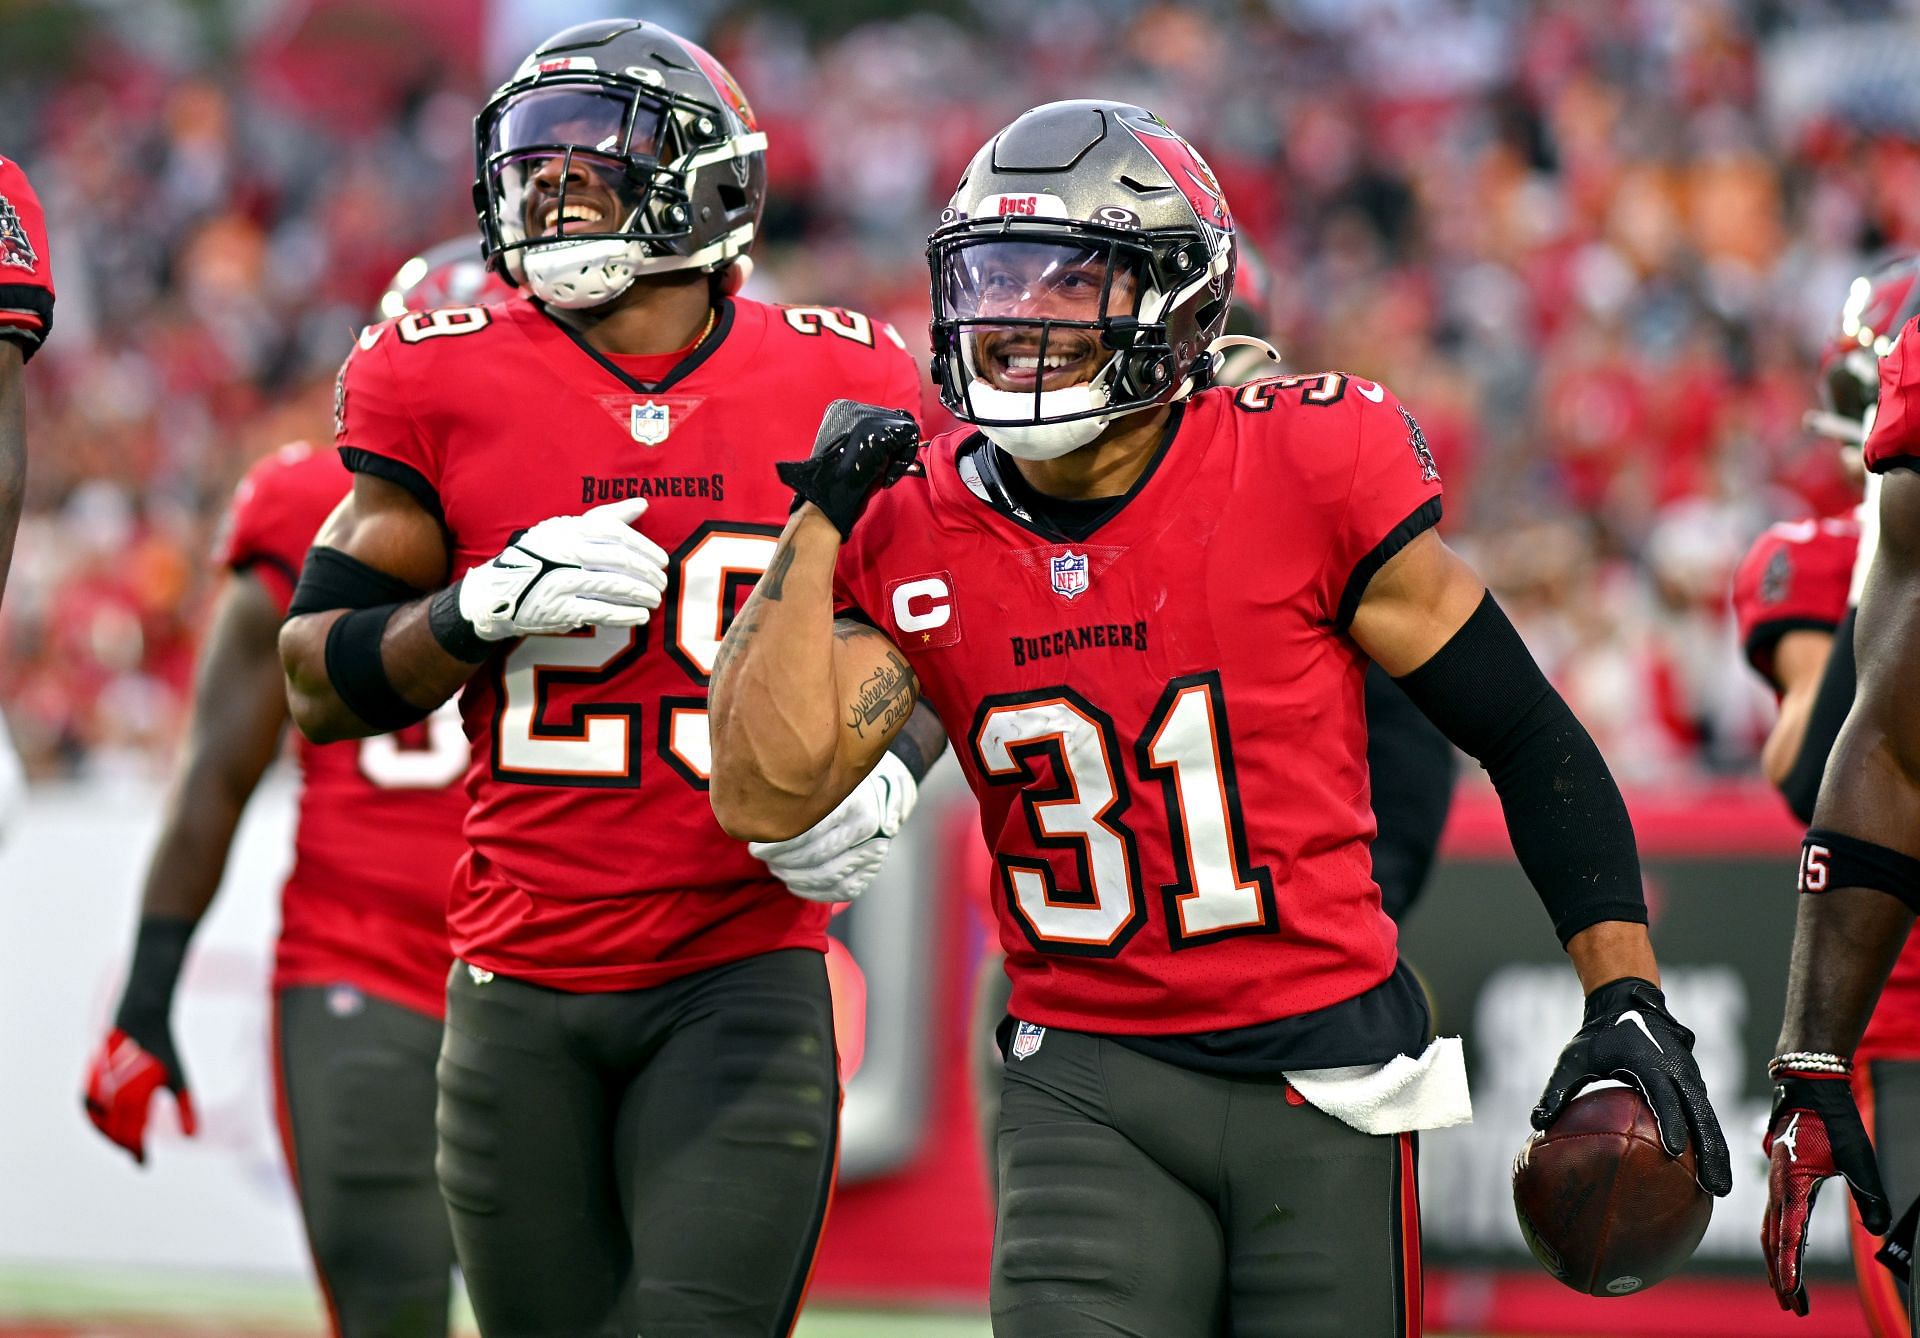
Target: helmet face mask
1080	272
633	155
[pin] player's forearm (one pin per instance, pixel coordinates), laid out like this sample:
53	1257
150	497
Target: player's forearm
1783	744
416	666
774	704
1844	946
13	452
191	857
1612	950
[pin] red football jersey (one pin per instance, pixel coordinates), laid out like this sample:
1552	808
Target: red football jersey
1894	442
379	825
595	860
1163	723
1793	579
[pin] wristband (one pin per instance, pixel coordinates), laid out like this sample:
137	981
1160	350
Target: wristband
452	630
1830	860
358	672
1809	1061
159	949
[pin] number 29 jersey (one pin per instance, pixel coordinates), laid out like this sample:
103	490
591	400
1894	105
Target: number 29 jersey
595	862
1163	722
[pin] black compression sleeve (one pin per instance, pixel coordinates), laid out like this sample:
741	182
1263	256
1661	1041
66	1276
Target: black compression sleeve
1565	816
1831	702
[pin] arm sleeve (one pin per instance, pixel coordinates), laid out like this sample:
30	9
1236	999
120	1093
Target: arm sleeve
1565	816
373	426
1393	498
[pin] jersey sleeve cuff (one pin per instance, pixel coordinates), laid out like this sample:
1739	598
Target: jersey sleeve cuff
1424	518
1765	637
398	473
1887	464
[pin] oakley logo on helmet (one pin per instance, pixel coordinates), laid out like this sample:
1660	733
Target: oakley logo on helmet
1116	216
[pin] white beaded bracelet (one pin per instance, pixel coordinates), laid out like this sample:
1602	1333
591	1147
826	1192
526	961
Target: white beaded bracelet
1809	1061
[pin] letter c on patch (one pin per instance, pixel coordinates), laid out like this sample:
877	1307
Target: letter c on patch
922	605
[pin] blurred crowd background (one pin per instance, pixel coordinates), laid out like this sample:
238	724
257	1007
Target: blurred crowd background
1595	247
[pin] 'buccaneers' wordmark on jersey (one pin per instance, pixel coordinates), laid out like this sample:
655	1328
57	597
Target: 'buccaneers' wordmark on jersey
1164	722
596	863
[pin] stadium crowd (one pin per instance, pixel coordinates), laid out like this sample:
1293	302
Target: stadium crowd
1596	248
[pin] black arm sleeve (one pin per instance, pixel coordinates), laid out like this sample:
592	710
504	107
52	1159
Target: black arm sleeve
1413	769
1831	702
1566	818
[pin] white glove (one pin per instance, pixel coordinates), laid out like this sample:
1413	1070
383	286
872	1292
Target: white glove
568	572
836	858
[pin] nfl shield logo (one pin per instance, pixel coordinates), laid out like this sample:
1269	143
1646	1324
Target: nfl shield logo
1069	574
650	423
1026	1040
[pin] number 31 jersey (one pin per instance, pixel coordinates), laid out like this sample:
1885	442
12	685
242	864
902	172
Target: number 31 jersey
1163	722
379	827
595	860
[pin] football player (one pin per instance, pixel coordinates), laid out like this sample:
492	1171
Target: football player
557	504
1411	768
360	965
1144	608
26	319
1796	580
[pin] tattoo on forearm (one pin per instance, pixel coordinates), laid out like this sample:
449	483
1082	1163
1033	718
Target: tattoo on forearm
884	699
774	583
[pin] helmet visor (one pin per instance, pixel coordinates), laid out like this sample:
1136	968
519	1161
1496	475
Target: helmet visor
1032	315
591	119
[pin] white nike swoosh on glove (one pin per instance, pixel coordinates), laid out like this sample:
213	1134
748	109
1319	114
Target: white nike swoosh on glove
1633	1015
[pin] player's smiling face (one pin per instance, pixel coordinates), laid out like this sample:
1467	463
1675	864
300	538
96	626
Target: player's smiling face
576	192
1031	281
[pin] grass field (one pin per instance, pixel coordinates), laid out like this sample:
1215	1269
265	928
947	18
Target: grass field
58	1304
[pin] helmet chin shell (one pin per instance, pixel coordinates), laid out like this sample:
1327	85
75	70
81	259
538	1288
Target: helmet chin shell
576	275
1067	418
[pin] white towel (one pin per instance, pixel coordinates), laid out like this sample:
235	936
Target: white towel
1396	1097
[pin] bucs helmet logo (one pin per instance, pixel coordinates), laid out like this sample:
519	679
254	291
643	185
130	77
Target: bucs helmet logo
16	248
1187	168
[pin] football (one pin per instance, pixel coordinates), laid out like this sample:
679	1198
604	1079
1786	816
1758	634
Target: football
1602	1205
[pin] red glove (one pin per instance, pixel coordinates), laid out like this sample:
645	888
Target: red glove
1815	1134
26	267
121	1082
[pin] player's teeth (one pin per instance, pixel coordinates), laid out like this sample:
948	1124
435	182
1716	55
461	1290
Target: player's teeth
1020	363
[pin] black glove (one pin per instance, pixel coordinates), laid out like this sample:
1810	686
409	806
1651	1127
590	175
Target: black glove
860	448
1814	1133
1629	1035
